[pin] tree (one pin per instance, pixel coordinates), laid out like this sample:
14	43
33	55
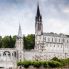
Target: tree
0	41
5	42
29	41
11	42
14	40
8	42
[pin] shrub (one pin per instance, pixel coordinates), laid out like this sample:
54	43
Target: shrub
68	60
55	59
19	63
37	64
45	64
54	64
26	64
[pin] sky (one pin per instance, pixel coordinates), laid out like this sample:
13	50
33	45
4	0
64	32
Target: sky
55	16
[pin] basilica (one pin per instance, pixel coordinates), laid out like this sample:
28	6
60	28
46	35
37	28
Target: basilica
47	46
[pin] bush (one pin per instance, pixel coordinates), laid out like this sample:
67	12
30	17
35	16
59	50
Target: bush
54	64
37	64
68	60
19	63
26	64
65	61
45	64
55	59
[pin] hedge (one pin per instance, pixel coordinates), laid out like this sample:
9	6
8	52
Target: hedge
53	63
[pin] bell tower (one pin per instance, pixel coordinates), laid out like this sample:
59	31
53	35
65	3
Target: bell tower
19	39
19	45
38	31
38	22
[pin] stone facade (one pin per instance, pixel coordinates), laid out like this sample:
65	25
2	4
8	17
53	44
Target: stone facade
49	45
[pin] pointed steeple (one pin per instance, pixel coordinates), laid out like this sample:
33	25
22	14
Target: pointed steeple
38	22
19	31
38	11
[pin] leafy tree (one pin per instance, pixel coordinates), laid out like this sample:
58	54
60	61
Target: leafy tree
8	42
11	42
29	42
5	42
14	40
0	41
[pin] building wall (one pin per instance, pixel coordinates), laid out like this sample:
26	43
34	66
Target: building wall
8	58
56	44
52	45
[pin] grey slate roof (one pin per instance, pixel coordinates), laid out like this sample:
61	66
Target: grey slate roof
55	35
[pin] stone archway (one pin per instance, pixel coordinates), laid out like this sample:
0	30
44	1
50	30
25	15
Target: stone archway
6	53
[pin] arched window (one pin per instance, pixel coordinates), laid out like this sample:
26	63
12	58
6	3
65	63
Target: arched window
67	41
59	40
6	53
52	39
55	39
15	54
54	45
63	40
48	39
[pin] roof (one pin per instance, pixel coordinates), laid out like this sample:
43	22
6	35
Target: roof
55	35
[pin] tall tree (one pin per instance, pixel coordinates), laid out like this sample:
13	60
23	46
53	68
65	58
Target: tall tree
14	40
0	41
5	42
29	42
11	43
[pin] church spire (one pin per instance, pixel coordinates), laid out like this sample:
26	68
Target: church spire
38	11
19	31
38	22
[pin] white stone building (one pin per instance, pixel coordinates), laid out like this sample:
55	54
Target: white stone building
47	46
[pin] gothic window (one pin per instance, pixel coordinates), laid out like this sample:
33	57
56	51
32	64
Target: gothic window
8	54
4	54
55	39
54	45
48	39
52	39
39	26
59	40
12	54
42	50
63	40
67	41
15	54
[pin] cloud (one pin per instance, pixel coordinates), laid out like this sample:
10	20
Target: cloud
54	13
66	10
57	26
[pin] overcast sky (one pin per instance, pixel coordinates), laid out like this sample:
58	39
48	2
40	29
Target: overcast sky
55	14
